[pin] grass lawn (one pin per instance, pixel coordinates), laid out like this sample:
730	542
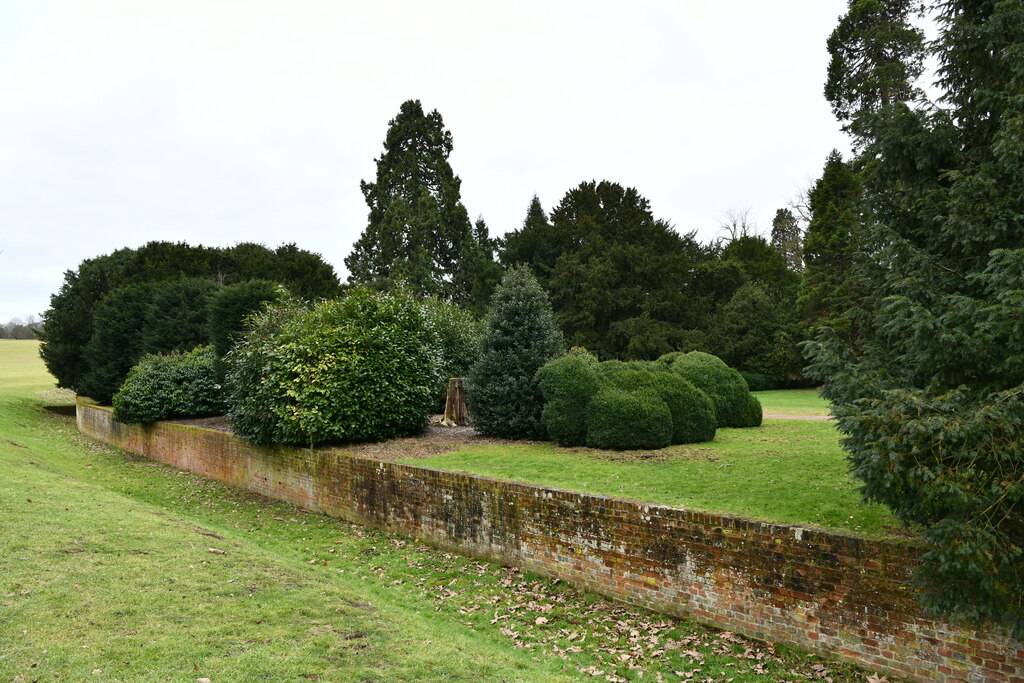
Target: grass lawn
793	402
791	471
113	567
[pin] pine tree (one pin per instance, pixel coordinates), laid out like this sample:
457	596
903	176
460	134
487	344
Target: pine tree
786	239
418	231
930	397
536	244
832	248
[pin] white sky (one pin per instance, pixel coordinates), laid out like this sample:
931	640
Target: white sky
216	122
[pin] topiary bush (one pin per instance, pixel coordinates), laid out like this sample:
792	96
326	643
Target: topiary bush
735	406
457	335
161	387
626	420
229	307
568	383
359	368
520	337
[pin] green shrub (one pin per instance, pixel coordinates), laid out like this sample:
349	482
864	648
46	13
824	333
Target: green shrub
520	336
229	307
457	335
734	404
628	420
161	387
359	368
568	383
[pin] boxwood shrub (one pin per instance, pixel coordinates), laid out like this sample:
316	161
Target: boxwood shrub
735	406
626	420
161	387
359	368
568	383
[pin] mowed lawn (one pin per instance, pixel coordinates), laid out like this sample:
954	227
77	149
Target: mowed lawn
789	471
115	568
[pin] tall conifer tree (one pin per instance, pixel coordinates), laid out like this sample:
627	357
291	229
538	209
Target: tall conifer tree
418	232
930	398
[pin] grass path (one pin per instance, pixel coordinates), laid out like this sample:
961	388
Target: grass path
116	568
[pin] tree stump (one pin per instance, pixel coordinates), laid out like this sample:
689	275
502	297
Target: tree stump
456	412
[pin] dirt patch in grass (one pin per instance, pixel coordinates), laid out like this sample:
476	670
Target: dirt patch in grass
435	440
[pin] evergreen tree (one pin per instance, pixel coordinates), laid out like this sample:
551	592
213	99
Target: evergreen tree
616	272
876	57
832	248
520	337
418	231
930	397
786	239
536	244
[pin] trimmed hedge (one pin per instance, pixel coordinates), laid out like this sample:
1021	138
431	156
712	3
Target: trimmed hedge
161	387
360	368
568	384
571	382
735	406
628	420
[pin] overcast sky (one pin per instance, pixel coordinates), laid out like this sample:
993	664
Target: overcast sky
221	122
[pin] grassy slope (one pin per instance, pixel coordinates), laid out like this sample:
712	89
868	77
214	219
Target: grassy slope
793	402
790	471
105	567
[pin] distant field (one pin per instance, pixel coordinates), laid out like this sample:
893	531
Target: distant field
793	402
113	567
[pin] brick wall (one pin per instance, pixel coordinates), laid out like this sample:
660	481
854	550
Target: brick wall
823	591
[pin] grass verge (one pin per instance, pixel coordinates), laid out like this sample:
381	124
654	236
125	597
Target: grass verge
793	402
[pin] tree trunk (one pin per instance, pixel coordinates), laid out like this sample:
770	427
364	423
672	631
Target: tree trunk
456	413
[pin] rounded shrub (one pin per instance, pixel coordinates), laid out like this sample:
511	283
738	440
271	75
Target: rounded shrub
520	336
568	383
627	420
692	411
229	307
161	387
176	319
359	368
735	406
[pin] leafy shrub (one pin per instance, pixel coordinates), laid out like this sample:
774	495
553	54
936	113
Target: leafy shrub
504	395
735	406
457	335
160	387
627	420
230	306
568	383
359	368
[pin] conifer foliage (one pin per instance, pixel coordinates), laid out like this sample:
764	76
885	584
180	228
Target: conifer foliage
931	397
418	233
505	398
